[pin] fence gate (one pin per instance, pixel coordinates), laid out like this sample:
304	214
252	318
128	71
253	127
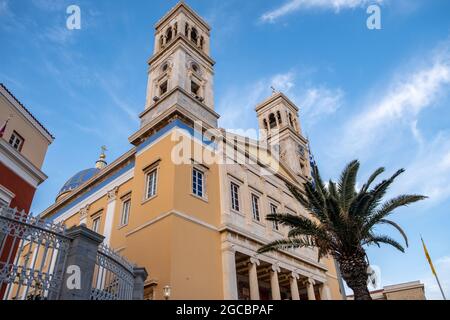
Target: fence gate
30	250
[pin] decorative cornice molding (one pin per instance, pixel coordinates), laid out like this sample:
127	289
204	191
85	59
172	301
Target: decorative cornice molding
84	211
112	194
14	160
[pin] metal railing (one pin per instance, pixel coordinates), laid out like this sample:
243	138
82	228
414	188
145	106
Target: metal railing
113	276
34	254
30	250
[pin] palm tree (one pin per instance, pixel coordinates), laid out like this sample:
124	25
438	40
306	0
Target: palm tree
344	221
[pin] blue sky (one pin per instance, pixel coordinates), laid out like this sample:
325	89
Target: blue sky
381	96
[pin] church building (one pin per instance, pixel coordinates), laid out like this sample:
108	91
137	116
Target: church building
188	200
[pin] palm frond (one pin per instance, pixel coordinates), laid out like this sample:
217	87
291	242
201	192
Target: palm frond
383	239
346	184
292	221
285	244
388	207
371	179
396	226
332	189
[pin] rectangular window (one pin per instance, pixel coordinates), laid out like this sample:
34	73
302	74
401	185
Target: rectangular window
195	88
234	196
198	182
96	225
16	141
126	206
151	184
255	207
163	88
273	210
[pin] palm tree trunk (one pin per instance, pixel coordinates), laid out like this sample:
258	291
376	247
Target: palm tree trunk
354	272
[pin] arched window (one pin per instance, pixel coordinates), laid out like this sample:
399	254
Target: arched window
290	120
279	117
161	42
272	121
202	41
266	127
194	35
169	34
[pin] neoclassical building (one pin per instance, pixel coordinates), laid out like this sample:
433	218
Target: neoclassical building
188	200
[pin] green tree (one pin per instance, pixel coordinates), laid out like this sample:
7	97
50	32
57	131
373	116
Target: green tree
343	222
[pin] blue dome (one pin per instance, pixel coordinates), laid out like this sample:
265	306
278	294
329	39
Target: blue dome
78	179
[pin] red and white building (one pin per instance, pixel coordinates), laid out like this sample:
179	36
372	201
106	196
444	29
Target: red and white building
23	145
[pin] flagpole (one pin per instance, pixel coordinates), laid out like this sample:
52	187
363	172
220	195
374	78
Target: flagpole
440	287
432	267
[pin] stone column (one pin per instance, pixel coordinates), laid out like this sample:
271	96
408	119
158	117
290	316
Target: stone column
140	275
274	285
253	278
310	289
109	219
325	292
294	286
229	274
80	263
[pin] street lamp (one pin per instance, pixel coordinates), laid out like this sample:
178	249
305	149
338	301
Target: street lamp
166	291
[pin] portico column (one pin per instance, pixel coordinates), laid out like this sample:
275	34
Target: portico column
310	289
253	278
274	285
229	274
294	286
325	292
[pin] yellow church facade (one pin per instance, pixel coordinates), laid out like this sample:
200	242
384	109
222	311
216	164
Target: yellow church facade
188	201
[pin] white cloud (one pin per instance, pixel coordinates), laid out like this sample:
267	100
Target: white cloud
283	82
404	99
313	100
429	172
432	291
4	9
319	101
50	5
297	5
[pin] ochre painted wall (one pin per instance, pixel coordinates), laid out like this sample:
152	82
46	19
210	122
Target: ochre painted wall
35	145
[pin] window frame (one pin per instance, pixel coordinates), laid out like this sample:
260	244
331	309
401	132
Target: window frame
203	183
275	225
16	136
125	200
148	173
237	192
94	226
256	216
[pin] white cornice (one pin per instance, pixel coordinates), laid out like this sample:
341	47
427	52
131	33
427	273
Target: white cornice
14	160
94	197
26	114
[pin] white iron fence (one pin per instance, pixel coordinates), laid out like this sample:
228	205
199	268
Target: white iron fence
29	251
113	276
33	257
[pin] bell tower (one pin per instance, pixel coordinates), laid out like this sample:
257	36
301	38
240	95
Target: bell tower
279	122
180	73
